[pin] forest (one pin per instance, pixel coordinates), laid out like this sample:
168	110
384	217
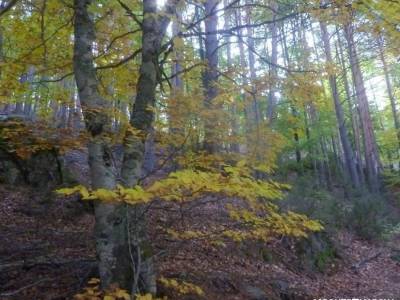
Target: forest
199	149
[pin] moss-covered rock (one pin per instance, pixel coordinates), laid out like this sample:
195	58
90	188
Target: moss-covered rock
317	252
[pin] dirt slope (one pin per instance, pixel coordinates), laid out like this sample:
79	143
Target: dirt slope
47	252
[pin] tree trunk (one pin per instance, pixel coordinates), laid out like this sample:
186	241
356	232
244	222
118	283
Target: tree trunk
210	74
154	26
177	82
254	106
273	73
177	88
347	150
372	160
393	102
234	146
352	115
121	243
110	230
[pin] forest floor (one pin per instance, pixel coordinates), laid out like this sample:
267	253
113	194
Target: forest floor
47	252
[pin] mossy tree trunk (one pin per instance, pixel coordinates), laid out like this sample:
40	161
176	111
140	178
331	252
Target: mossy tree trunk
122	251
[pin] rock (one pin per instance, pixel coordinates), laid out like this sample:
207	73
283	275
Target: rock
395	255
255	293
280	285
9	171
223	283
42	170
282	291
282	288
317	252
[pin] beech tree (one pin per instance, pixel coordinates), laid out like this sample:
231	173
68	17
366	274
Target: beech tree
112	220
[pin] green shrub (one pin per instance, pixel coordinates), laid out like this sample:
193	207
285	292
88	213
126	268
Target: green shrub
369	216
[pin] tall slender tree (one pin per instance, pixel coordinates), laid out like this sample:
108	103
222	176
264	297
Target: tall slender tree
347	150
371	154
211	73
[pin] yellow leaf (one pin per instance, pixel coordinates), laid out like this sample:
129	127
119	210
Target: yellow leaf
122	294
241	163
76	189
105	195
144	297
94	281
